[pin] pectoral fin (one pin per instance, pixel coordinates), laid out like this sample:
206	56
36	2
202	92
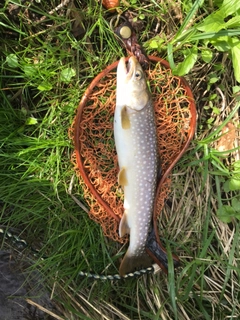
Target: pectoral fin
122	177
123	226
125	118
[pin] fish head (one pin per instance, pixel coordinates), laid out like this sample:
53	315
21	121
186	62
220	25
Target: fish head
132	89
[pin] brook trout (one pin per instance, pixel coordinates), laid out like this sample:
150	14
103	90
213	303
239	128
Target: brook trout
136	144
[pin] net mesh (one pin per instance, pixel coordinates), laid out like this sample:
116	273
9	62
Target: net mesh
96	149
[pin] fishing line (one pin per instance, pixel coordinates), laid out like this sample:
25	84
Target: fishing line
21	244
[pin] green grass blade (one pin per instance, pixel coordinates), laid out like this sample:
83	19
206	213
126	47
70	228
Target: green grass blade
197	4
171	283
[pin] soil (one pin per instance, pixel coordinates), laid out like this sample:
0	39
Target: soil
17	284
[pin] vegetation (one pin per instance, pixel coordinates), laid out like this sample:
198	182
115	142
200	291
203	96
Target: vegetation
48	58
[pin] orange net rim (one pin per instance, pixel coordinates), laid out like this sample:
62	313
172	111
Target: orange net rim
78	145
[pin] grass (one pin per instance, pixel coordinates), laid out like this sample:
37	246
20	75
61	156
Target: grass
46	67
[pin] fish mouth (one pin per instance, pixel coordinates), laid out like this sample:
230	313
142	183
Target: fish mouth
131	67
128	67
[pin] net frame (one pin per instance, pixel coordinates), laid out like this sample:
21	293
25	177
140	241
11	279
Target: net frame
105	207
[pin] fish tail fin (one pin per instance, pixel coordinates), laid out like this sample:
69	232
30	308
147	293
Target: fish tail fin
131	263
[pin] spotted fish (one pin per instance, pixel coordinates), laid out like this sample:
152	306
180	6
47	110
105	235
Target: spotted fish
136	144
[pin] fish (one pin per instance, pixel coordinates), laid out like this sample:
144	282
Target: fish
136	145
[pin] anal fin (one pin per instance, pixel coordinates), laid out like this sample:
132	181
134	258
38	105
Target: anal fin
123	226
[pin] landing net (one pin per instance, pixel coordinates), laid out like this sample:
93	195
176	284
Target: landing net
95	154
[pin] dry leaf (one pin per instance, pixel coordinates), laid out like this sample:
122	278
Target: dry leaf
228	136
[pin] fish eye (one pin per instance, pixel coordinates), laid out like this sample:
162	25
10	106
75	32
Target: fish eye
138	75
